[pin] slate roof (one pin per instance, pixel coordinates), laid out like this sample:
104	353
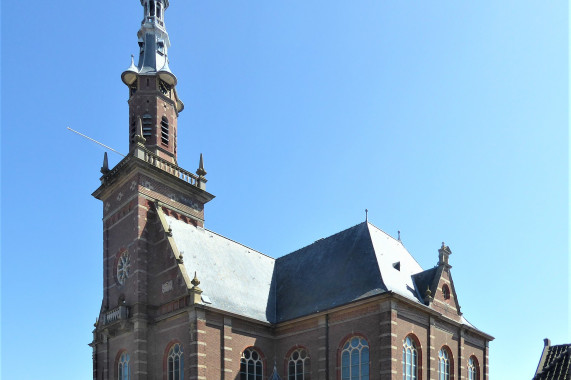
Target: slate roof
233	277
555	363
354	264
345	267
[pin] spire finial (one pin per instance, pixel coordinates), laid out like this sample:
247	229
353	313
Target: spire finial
105	167
398	235
366	215
201	172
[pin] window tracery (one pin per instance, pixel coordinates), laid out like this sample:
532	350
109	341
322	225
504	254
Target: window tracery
355	359
123	370
409	359
251	365
175	363
443	364
298	365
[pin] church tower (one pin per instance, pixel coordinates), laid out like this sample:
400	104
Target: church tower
137	265
153	100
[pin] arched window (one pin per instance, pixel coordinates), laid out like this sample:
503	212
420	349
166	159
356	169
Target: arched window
409	359
175	363
123	372
473	370
298	365
444	361
251	365
355	359
165	130
446	292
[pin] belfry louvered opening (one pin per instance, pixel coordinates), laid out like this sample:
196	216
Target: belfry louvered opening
147	125
165	130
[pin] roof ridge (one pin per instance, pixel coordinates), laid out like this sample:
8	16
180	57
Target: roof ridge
236	242
386	233
401	243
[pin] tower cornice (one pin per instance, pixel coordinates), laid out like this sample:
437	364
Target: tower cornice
144	160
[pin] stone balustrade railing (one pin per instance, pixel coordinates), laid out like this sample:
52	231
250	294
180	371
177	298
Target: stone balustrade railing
171	168
117	314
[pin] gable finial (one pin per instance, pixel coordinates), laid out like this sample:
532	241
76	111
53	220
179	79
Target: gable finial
195	291
427	295
105	167
195	281
366	215
398	232
443	253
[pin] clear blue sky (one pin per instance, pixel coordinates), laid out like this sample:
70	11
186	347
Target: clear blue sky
447	120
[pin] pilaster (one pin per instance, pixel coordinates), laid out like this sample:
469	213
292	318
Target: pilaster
197	323
485	375
461	362
140	355
431	363
388	350
226	351
322	339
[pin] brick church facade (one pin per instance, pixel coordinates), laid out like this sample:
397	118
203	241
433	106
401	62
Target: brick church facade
182	302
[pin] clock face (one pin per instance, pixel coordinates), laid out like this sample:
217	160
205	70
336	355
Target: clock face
164	87
123	265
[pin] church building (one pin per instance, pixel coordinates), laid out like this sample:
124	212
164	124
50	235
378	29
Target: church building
183	302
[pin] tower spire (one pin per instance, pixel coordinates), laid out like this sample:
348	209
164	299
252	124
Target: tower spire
152	86
153	37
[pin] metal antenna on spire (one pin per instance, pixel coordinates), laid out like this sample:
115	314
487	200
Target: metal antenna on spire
366	215
97	142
